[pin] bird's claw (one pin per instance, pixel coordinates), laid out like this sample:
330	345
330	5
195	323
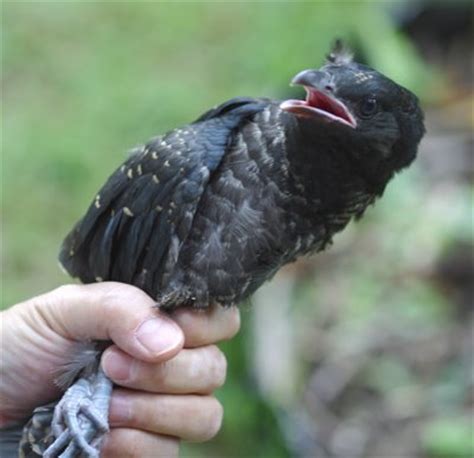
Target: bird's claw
80	418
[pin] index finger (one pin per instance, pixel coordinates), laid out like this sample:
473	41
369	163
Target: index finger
208	326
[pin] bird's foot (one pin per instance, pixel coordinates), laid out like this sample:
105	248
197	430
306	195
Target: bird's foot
81	418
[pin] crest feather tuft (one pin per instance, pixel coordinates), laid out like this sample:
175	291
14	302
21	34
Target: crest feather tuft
340	54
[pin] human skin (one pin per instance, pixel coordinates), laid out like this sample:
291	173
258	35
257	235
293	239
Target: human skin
166	367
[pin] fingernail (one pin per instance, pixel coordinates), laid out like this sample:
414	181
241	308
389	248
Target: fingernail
158	335
117	365
120	411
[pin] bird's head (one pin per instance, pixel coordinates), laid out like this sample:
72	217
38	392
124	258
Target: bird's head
379	121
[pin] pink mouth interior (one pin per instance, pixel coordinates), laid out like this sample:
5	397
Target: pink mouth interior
318	102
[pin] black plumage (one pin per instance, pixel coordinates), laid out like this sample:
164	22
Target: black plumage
205	214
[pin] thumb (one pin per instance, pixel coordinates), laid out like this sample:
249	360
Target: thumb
112	311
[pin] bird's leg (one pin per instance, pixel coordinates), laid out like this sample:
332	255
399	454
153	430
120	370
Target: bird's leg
80	418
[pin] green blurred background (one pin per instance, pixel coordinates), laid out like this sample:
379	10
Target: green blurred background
363	351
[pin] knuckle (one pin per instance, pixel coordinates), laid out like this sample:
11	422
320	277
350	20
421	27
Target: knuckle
67	290
214	419
234	322
121	292
218	367
120	296
211	415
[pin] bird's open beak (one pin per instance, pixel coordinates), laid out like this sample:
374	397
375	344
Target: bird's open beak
320	99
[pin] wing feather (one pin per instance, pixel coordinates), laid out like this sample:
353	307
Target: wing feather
135	227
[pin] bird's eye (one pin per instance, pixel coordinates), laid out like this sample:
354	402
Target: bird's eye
368	107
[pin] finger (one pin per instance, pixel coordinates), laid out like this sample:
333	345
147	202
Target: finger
189	417
209	326
112	311
200	370
134	443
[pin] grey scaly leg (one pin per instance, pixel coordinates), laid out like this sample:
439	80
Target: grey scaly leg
81	418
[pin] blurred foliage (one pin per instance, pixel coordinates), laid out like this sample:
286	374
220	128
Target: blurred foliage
449	437
83	82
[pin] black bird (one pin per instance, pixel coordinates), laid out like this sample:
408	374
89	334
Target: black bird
206	213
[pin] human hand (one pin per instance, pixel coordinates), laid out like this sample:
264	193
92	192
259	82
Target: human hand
158	401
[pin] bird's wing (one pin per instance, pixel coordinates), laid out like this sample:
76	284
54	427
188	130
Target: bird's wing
231	105
137	223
